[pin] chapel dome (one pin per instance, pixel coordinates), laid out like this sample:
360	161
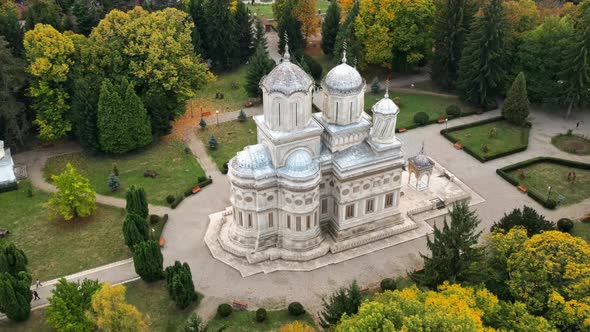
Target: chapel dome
287	78
421	160
253	159
385	106
300	164
343	79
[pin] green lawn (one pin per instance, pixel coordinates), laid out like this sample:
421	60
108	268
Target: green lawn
412	103
232	137
35	323
541	175
582	229
245	321
55	247
266	9
177	170
231	84
508	137
572	144
153	301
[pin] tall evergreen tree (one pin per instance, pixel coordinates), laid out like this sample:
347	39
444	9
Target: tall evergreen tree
343	301
10	28
15	280
123	124
516	106
221	40
576	61
452	249
451	26
244	32
527	218
13	119
179	281
197	12
346	34
259	36
330	28
85	110
87	14
12	260
135	230
148	261
260	64
482	69
136	202
46	12
290	27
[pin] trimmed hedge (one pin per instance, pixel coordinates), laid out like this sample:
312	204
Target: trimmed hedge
539	197
446	134
8	187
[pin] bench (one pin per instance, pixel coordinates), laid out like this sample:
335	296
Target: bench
196	189
442	120
161	242
364	289
238	305
523	189
402	130
458	145
205	113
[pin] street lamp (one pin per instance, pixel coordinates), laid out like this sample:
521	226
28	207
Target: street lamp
548	192
217	115
446	123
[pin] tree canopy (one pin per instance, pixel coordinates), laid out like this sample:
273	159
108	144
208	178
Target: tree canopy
68	305
111	313
74	196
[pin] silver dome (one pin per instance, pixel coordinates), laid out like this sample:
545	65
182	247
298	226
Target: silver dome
300	164
343	79
252	159
287	78
385	106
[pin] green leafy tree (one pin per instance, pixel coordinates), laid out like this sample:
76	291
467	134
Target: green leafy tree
180	285
482	69
135	230
12	260
123	123
15	295
528	218
74	197
44	12
330	28
68	305
136	202
49	56
452	249
260	65
222	44
10	27
148	261
343	301
451	26
516	105
259	36
14	124
575	75
243	25
346	34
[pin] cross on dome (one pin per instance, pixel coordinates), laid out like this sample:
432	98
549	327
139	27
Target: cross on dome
286	55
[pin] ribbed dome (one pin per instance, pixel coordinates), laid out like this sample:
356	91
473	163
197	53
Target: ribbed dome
299	161
385	106
287	78
421	160
252	158
343	79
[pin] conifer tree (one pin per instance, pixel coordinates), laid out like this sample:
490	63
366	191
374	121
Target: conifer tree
10	27
197	12
330	28
259	36
221	39
516	105
202	123
136	202
135	230
528	218
346	34
343	301
452	249
148	261
451	26
290	28
180	285
260	65
15	280
482	67
12	260
85	111
213	142
243	31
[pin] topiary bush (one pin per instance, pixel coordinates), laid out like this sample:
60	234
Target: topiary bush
213	142
453	111
224	310
261	315
565	225
170	199
421	118
388	284
296	309
154	219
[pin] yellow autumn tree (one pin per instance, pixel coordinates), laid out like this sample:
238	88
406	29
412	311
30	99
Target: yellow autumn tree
523	15
296	326
346	4
112	313
306	13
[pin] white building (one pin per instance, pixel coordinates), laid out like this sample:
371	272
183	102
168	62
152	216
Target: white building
7	176
315	182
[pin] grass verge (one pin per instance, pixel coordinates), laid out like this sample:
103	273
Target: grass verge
245	321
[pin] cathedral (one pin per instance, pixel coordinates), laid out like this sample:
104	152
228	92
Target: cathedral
315	182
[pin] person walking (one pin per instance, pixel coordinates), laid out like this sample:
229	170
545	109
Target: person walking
36	296
38	284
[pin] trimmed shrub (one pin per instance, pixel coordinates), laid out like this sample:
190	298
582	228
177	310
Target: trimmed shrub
242	116
170	199
177	201
148	261
194	324
202	178
202	123
296	309
154	219
180	285
260	315
8	187
213	142
388	284
421	118
565	225
224	310
453	111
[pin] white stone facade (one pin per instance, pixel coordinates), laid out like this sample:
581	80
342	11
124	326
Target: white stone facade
319	182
